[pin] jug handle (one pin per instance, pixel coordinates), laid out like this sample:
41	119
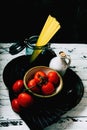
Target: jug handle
69	60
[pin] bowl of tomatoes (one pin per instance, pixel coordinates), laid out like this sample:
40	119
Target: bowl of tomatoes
43	82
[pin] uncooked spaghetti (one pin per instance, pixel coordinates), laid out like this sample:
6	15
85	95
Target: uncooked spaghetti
51	26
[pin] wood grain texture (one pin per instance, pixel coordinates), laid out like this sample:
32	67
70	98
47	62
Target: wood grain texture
75	119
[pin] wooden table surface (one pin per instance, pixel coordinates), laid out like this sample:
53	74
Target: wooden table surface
74	119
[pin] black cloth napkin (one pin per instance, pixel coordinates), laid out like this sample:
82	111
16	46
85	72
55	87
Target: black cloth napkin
47	111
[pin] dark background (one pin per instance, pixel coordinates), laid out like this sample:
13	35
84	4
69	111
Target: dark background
23	18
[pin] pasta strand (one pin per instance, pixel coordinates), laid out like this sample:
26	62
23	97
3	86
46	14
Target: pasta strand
51	26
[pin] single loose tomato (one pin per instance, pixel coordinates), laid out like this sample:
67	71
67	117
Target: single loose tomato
18	86
15	105
32	85
40	76
25	100
53	77
48	88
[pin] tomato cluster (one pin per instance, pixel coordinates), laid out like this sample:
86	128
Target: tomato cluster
22	99
44	83
41	83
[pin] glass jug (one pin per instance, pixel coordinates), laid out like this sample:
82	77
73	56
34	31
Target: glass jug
29	46
46	54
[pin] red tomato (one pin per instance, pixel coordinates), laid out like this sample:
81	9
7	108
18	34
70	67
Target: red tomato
48	88
18	86
53	77
33	86
25	100
40	76
15	105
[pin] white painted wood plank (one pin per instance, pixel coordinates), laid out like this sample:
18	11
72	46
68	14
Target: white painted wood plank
75	119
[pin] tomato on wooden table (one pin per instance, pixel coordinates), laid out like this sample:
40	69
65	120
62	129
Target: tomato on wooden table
48	88
40	76
25	100
53	77
15	105
18	86
32	85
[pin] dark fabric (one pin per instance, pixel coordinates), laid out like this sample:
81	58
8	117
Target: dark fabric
44	112
22	18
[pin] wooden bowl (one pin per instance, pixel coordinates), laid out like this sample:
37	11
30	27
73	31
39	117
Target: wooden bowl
30	74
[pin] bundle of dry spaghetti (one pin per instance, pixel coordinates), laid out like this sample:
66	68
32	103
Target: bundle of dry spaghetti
50	27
